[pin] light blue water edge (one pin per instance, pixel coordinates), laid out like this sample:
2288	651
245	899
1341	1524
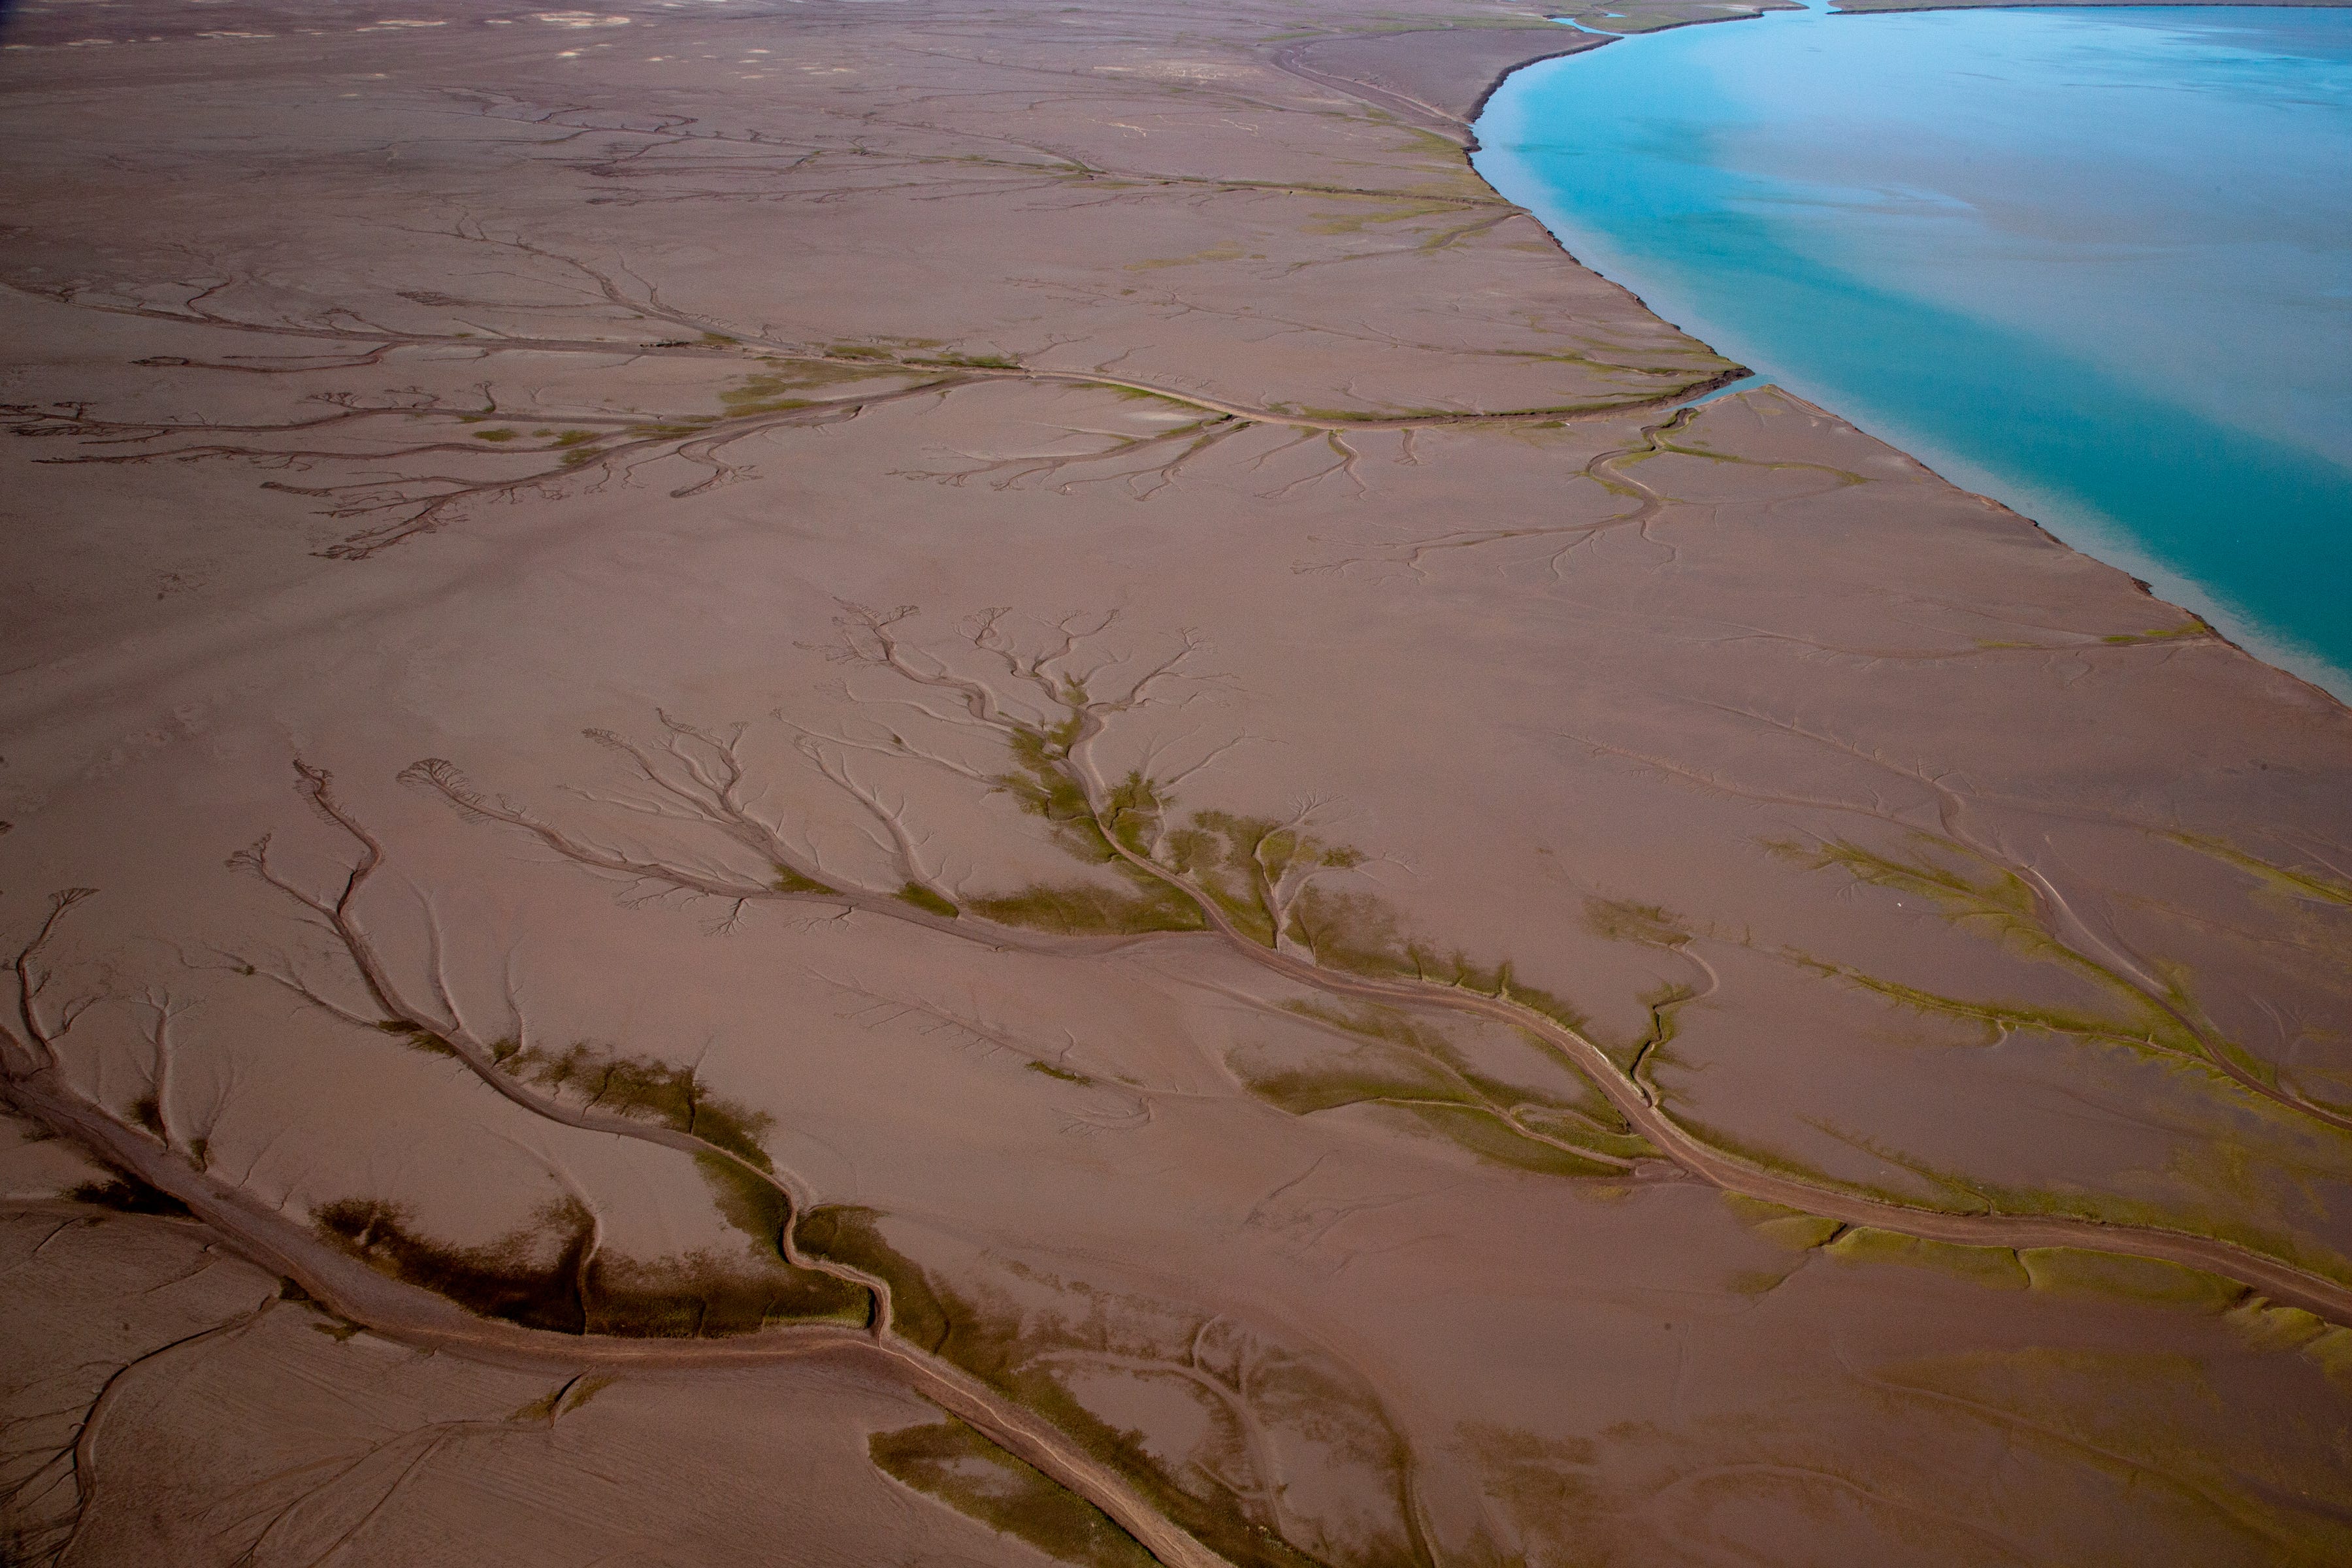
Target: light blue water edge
2096	263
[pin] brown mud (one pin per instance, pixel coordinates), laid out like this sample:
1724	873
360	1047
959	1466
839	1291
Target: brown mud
1017	713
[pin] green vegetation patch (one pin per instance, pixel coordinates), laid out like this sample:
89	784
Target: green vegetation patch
2194	629
1582	1131
1415	1074
127	1195
1791	1229
645	1088
926	900
498	1280
1492	1139
2270	1326
2069	1271
2303	881
787	881
1352	930
1388	211
1303	1089
968	1473
1427	1046
1230	250
744	402
967	362
845	1233
1083	908
1238	862
748	1201
989	1344
425	1040
1993	1266
562	1399
578	1292
1996	902
1044	782
1357	932
701	1296
1624	919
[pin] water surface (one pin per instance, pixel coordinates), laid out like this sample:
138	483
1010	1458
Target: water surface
2098	264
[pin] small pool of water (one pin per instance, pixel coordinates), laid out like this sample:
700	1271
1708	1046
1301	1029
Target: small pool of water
2095	263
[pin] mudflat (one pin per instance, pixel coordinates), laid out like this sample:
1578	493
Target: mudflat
986	783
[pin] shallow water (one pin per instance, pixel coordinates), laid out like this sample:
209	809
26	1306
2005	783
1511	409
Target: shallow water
2098	264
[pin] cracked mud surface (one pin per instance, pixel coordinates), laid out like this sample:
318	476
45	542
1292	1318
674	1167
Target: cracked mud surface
979	784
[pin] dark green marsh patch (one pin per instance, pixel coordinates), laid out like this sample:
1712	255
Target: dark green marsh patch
973	1476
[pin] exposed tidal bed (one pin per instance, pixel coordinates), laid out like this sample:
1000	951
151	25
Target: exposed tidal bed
2096	263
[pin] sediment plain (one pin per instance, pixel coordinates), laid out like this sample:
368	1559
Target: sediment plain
936	783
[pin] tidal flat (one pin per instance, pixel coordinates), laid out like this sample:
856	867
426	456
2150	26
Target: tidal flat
2091	262
950	781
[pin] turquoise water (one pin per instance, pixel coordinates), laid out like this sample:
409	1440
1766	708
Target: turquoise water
2098	264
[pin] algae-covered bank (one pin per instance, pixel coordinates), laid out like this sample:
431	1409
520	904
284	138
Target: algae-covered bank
957	782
